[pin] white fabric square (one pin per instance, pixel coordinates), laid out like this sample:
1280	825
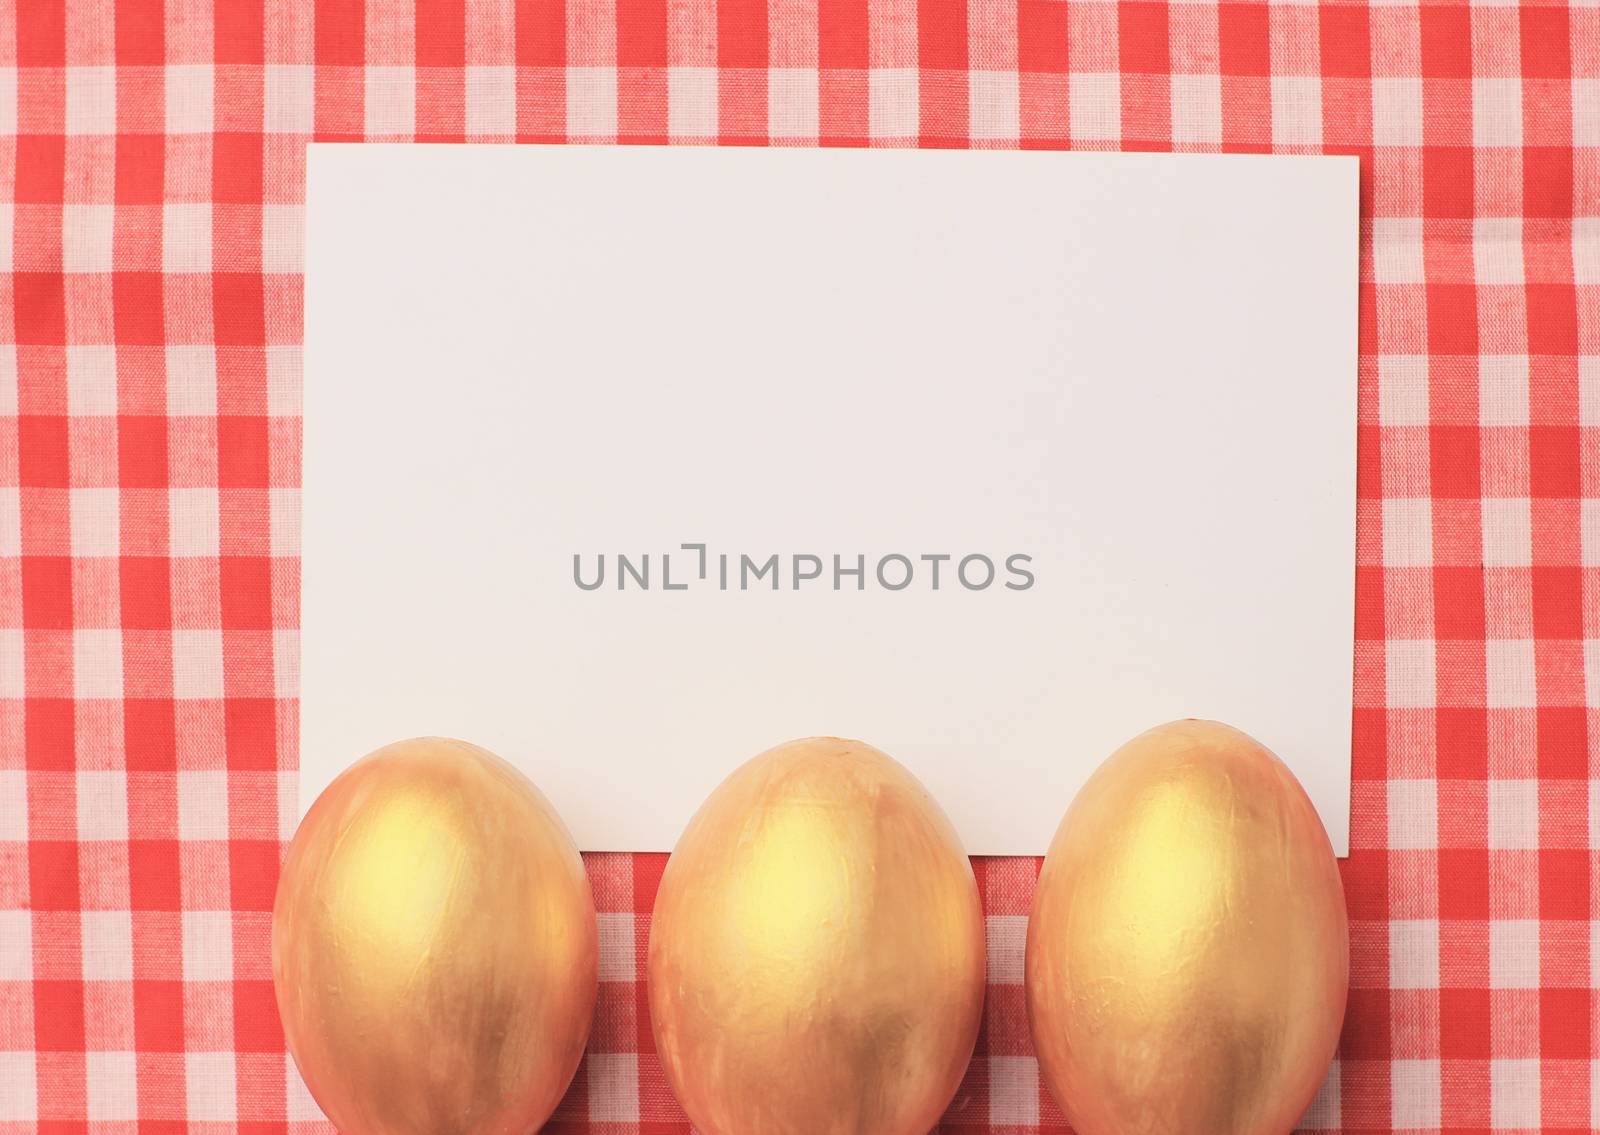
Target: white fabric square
95	521
1496	112
192	380
617	946
491	101
1409	673
613	1086
283	380
189	98
8	227
1413	814
692	102
212	1090
8	100
10	528
1013	1091
13	678
391	103
1007	940
288	97
91	380
1514	953
1397	112
284	521
86	236
591	102
1296	110
1511	681
111	1082
1513	815
1414	1094
1414	954
1589	383
1408	532
1397	250
1586	125
286	666
1589	532
102	804
892	110
197	663
1591	666
107	945
283	235
1403	390
8	351
792	102
1507	532
202	804
186	237
91	100
1503	390
16	926
19	1100
288	804
196	524
1514	1094
1497	250
1094	106
1323	1114
1586	250
994	107
301	1107
97	663
207	945
1196	108
13	781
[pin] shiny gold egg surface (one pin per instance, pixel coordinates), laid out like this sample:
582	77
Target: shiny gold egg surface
1187	956
434	947
816	958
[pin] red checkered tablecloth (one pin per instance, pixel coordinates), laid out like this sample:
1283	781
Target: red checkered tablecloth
151	171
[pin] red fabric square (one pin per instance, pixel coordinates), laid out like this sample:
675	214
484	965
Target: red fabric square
255	1018
1142	37
1463	883
42	451
39	308
153	874
243	454
138	309
47	592
158	1015
1242	35
142	451
53	874
58	1016
251	732
253	873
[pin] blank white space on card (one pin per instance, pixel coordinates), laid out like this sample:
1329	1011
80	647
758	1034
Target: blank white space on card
1136	371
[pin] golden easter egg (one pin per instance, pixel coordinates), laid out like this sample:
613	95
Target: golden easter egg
434	947
816	957
1188	953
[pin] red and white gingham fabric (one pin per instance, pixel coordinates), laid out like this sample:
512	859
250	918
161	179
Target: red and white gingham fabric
151	162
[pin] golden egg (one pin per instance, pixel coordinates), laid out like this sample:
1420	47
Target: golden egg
434	947
1187	955
817	951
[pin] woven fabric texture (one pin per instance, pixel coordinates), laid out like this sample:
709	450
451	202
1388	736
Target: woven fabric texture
151	184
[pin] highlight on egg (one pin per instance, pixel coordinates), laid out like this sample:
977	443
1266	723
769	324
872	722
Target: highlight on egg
1188	953
816	959
434	947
